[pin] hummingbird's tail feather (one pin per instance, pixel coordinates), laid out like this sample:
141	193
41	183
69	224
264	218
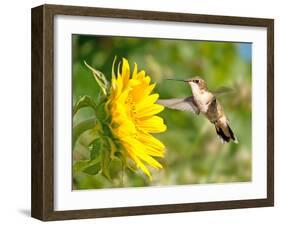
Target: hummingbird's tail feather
233	137
225	133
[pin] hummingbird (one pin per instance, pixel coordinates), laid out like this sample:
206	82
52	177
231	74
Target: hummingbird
205	102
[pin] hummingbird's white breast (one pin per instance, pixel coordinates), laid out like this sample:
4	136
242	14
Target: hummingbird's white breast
201	97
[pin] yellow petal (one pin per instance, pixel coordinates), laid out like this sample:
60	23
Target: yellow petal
143	155
152	145
141	75
154	152
151	140
135	72
153	124
150	111
139	164
125	72
147	101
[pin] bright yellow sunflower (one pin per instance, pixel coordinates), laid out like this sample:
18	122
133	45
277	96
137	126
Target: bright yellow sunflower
133	112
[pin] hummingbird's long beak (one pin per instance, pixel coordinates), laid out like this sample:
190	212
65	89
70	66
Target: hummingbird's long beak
179	80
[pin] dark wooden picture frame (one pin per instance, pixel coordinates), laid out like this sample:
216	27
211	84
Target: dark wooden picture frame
42	203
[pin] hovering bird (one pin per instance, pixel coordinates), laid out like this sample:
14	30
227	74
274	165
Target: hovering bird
205	102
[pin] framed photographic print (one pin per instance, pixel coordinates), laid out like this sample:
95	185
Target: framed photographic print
140	112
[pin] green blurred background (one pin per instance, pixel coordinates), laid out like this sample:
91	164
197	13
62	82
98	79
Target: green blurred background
194	153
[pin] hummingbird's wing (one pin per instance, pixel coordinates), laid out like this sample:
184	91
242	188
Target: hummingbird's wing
222	90
183	104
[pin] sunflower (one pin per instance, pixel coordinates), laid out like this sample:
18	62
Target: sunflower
132	108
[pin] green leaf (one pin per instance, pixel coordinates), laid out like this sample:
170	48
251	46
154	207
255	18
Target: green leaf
82	165
84	101
112	146
82	127
100	78
93	169
95	148
101	112
106	160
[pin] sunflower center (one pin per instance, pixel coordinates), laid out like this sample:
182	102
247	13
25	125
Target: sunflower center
131	104
131	108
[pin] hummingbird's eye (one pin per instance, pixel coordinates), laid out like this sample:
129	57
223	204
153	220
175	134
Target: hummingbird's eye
196	81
